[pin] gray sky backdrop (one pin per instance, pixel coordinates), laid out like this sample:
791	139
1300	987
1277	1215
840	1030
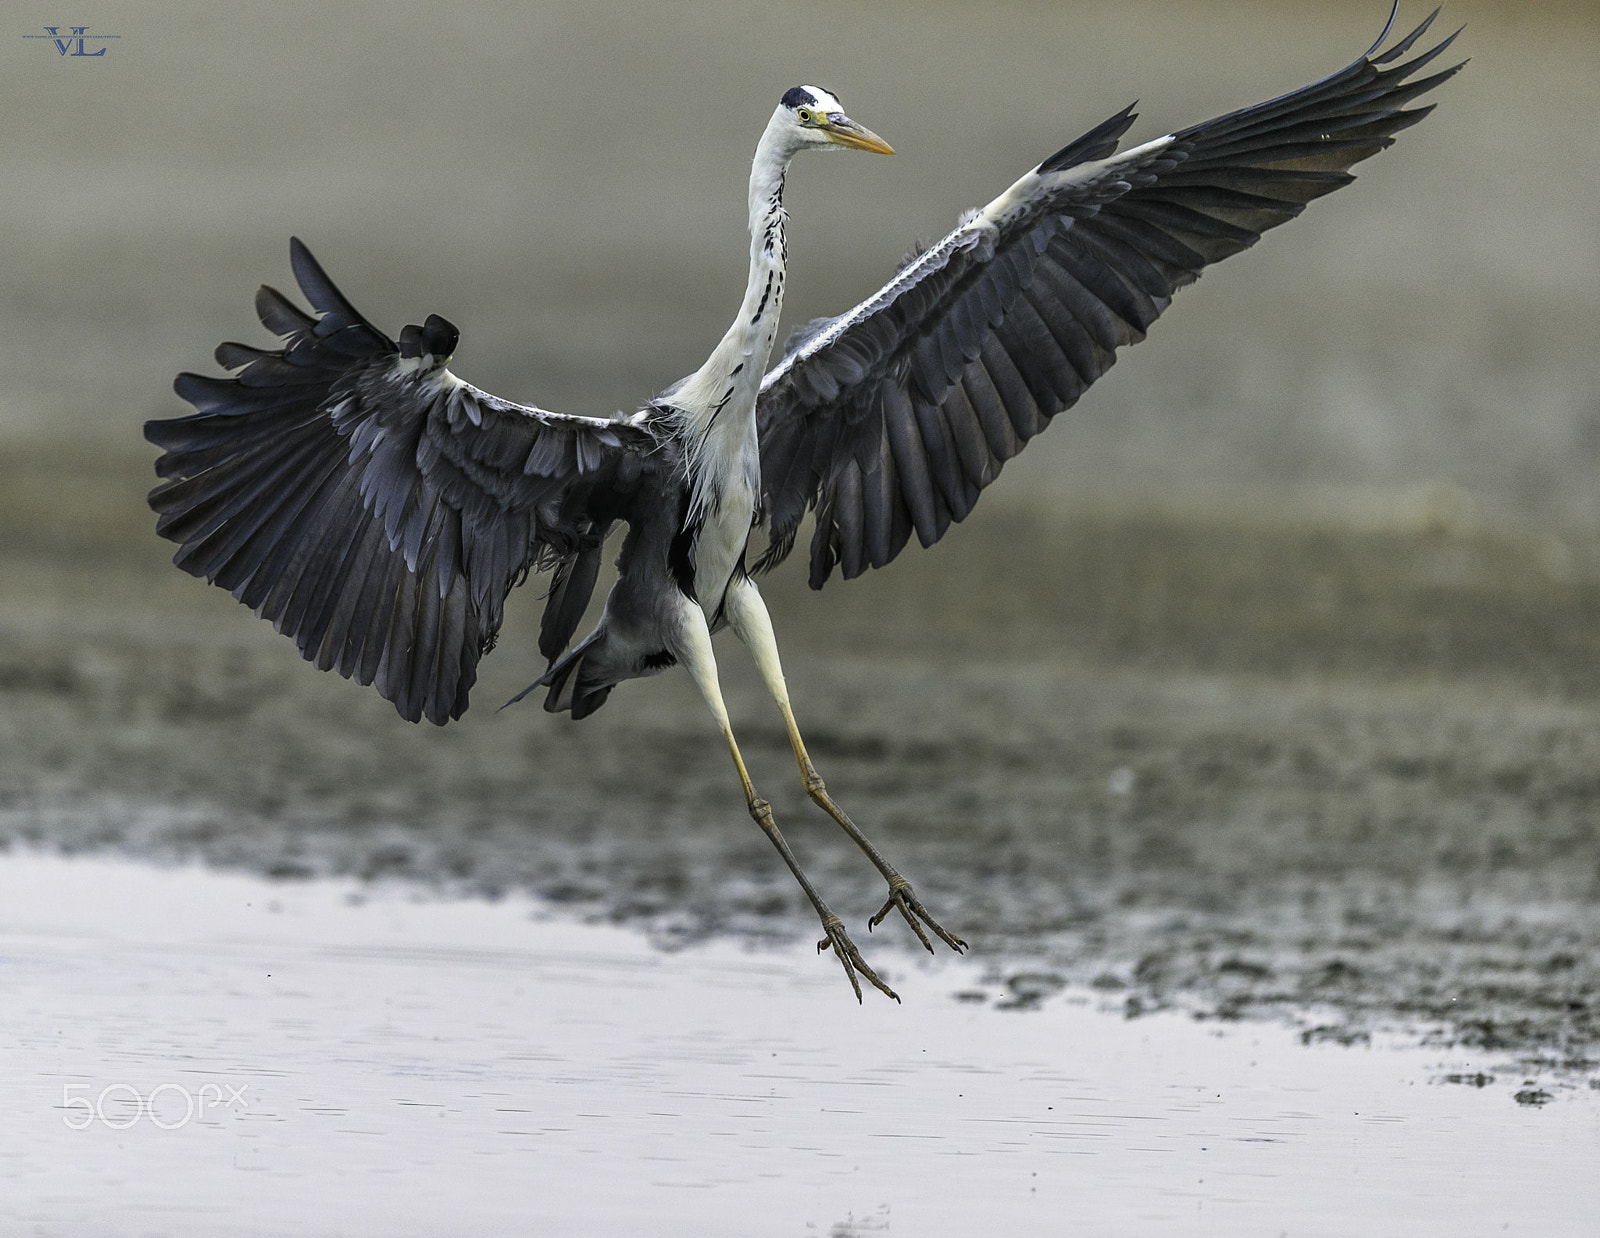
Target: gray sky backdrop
566	183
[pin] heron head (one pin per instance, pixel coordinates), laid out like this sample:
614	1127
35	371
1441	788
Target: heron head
819	121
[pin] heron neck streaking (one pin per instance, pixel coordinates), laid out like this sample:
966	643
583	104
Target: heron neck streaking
715	406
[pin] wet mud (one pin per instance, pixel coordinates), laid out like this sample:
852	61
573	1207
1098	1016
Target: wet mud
1345	778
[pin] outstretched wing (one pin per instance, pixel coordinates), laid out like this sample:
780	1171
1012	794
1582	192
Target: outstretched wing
893	417
373	506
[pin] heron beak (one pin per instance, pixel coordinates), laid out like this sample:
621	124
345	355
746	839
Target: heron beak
845	132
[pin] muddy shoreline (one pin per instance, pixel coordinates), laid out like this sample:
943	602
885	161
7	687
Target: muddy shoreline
1338	776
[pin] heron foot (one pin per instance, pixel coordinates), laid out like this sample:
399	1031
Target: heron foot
850	958
916	915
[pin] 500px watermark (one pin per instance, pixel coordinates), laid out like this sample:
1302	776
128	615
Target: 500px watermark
168	1106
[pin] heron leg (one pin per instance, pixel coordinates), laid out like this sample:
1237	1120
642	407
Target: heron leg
696	655
747	616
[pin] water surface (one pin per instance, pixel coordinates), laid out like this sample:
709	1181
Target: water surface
381	1065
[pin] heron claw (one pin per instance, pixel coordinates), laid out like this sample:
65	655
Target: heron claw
850	958
916	915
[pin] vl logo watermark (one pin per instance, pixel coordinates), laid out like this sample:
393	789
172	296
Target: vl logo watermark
73	42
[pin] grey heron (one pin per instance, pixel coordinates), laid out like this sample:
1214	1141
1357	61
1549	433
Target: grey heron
378	510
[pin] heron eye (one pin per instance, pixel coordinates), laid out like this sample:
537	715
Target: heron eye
805	117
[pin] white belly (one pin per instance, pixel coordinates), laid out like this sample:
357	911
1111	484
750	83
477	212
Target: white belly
721	541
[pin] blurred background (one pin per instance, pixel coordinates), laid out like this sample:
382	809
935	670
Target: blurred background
1298	604
567	183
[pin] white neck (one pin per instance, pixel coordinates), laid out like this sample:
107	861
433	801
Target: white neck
716	404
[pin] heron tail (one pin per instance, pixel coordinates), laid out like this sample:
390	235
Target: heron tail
573	681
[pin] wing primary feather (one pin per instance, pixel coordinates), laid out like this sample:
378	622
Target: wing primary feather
280	315
569	596
972	446
321	291
879	497
282	545
1083	328
912	460
984	400
1099	143
1025	413
847	521
1404	45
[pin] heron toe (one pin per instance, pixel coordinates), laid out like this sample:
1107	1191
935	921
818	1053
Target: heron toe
901	896
850	958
